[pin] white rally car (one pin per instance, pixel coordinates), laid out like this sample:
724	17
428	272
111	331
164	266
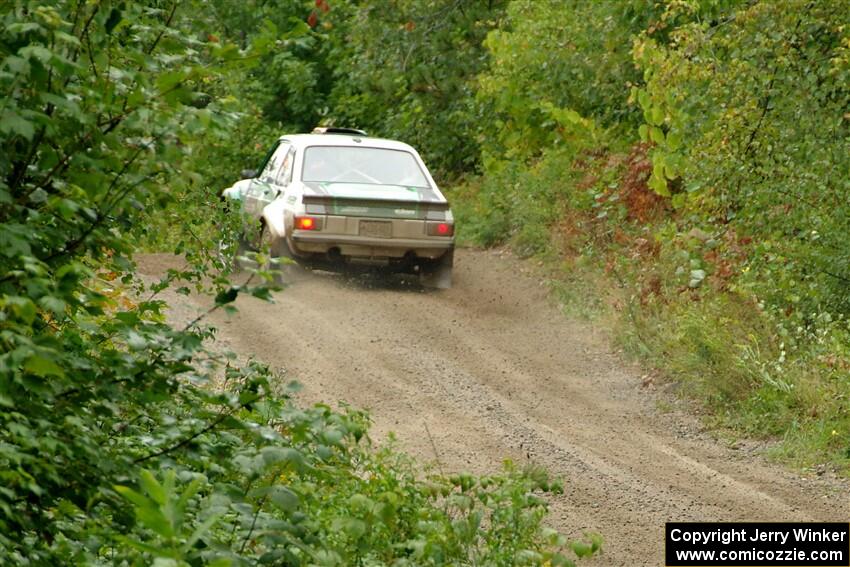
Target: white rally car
337	198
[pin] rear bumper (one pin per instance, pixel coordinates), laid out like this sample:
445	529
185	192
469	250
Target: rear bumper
339	239
365	246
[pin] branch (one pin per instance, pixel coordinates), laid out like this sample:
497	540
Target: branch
101	215
192	437
83	31
186	441
764	109
214	308
836	276
766	101
170	17
253	524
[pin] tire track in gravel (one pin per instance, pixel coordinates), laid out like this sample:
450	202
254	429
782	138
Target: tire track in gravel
491	370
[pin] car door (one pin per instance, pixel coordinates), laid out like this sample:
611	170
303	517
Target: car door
263	188
249	195
278	180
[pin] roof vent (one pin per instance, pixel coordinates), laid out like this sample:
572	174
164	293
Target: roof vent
335	130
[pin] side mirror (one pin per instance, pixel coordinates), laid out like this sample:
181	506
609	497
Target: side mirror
249	173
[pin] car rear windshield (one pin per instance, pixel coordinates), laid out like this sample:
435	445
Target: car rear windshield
376	166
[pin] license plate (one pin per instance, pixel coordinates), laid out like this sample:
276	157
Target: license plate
376	229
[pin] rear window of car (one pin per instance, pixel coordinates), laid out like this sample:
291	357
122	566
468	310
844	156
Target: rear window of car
371	166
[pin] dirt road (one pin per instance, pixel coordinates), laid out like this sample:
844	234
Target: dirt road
493	370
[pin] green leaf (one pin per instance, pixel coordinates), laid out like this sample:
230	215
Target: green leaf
659	185
20	28
17	64
560	560
528	557
656	135
38	52
658	163
132	495
200	532
275	455
674	140
152	487
353	527
13	123
23	307
168	81
596	541
14	240
113	20
188	494
656	115
643	99
153	519
284	498
333	436
136	341
227	296
697	276
679	200
41	366
581	549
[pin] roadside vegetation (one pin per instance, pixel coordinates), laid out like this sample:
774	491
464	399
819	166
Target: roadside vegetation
683	167
692	159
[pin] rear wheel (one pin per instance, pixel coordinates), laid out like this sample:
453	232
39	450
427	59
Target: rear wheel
286	269
245	245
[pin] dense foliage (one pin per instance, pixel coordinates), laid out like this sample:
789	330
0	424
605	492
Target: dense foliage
554	63
124	439
754	123
748	108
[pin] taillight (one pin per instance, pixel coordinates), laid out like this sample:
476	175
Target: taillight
307	223
440	229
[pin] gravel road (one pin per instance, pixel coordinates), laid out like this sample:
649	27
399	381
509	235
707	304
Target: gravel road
491	370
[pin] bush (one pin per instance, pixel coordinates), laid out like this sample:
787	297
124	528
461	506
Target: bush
751	135
552	58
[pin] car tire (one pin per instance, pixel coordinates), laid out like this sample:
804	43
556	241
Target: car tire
234	253
286	269
438	274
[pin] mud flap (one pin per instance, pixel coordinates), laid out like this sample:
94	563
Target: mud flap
439	274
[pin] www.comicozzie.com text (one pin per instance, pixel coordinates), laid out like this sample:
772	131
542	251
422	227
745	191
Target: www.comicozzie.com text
727	536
